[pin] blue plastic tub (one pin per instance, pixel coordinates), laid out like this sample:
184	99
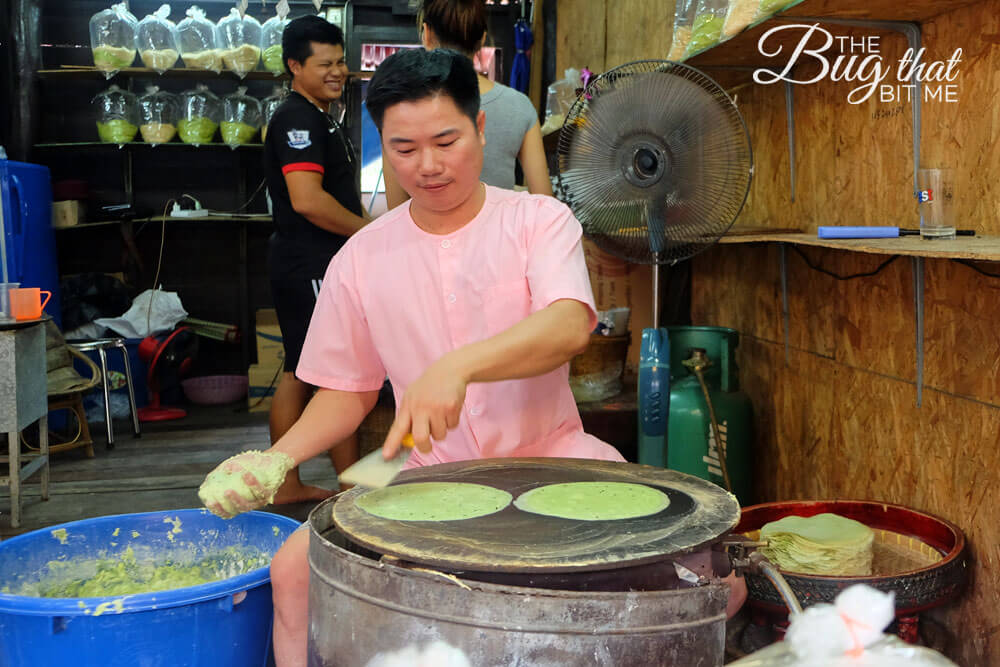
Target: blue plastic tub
222	623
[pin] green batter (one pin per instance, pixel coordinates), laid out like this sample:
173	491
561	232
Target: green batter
593	501
433	501
130	576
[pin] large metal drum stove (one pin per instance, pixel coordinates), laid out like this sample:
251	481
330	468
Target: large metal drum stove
515	588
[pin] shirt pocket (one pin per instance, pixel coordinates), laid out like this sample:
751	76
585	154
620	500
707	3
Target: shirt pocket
505	305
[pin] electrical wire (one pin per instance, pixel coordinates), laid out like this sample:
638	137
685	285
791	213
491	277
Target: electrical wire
837	276
159	260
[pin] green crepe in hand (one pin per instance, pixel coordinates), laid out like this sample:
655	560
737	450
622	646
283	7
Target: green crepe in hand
433	501
826	544
593	501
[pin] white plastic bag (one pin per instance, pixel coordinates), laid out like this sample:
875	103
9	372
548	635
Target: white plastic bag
157	116
238	37
200	112
196	37
683	19
117	116
152	312
560	98
706	29
156	40
112	39
240	118
847	633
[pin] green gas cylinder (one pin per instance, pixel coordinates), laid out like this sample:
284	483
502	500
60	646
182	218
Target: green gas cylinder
691	441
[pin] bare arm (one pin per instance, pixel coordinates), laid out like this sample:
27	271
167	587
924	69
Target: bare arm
329	418
312	202
394	192
539	343
533	163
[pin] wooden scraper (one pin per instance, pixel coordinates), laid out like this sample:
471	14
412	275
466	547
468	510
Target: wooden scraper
373	471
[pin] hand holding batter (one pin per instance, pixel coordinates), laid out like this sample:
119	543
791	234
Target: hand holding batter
431	406
244	482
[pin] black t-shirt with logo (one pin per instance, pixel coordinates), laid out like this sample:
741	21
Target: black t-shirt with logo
301	137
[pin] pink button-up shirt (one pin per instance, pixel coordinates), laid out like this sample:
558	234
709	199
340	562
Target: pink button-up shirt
395	299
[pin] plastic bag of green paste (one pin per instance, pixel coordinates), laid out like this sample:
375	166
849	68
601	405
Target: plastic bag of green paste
240	117
272	30
117	116
706	30
112	38
200	113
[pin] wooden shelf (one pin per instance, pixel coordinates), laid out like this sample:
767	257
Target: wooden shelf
90	72
742	50
254	217
102	144
978	248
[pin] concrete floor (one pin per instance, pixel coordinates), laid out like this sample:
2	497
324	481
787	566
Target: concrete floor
159	471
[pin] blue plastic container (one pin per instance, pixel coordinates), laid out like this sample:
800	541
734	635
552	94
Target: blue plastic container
217	624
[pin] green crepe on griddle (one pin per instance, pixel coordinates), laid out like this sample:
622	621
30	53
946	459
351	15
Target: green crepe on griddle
826	544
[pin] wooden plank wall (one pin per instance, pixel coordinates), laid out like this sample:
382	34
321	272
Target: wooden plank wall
590	32
838	419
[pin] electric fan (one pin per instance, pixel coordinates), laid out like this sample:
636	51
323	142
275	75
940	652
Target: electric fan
169	359
655	161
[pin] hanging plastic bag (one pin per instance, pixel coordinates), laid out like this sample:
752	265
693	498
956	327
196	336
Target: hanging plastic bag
112	39
239	39
156	40
561	95
200	112
196	37
240	118
270	105
270	42
157	116
683	20
706	29
117	116
847	633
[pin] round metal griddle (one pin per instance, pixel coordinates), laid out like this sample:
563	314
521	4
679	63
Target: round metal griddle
515	541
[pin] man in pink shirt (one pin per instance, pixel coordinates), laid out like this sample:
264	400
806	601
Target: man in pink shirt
471	299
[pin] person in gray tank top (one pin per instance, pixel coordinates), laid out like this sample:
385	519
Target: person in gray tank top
512	131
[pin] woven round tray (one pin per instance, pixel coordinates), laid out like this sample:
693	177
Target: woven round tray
919	557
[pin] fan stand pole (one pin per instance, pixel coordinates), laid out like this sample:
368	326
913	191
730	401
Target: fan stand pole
656	291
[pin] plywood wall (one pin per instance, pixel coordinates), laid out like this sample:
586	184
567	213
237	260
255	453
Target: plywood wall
601	34
839	419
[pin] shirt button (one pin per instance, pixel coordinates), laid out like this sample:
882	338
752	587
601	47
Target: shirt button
474	412
446	244
452	298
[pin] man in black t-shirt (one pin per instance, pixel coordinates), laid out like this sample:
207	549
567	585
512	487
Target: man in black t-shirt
311	172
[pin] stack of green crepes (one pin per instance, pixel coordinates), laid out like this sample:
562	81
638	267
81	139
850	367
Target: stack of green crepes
825	544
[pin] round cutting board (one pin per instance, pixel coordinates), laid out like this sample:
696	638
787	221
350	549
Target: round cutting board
516	541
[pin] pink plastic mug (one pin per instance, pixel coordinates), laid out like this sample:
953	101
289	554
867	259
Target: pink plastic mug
26	302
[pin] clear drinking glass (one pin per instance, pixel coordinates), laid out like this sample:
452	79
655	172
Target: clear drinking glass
936	200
